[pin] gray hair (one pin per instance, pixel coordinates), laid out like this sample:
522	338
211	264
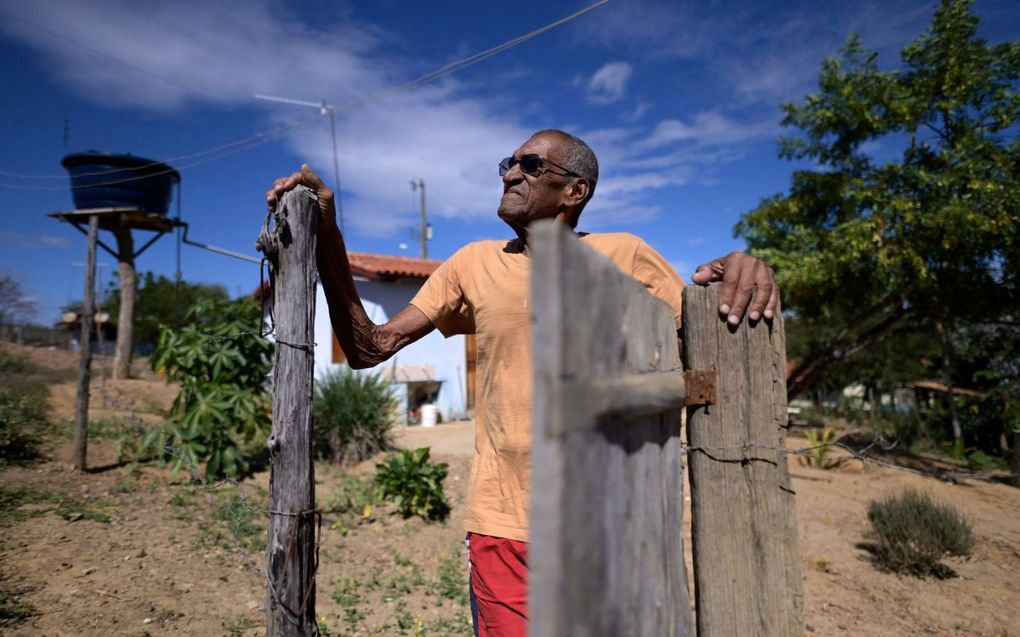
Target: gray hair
577	157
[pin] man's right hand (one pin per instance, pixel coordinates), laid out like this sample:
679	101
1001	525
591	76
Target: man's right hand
305	177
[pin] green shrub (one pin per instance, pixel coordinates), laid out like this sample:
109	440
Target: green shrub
353	416
414	484
23	422
22	427
914	533
11	363
222	365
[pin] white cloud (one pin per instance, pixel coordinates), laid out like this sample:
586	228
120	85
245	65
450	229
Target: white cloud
188	54
35	241
709	129
608	84
200	54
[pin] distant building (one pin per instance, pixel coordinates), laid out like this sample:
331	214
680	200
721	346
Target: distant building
434	370
102	338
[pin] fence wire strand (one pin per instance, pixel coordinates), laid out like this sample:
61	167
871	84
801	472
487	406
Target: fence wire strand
862	454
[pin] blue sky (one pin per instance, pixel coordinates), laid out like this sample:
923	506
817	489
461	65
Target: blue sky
679	100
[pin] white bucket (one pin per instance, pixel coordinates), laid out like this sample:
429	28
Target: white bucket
429	415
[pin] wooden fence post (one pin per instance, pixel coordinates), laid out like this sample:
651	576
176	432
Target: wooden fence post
746	563
292	554
81	409
606	551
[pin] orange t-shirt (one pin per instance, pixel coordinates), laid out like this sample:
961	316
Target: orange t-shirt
484	290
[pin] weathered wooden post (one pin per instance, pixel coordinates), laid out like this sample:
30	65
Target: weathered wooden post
81	409
292	554
746	564
606	552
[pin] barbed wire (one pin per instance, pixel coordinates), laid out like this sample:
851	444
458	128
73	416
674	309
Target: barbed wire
862	454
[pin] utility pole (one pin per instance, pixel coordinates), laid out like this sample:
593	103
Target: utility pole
426	229
324	109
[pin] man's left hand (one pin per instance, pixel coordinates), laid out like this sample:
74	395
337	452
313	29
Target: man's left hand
743	278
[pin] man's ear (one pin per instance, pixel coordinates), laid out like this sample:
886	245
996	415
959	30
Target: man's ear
576	192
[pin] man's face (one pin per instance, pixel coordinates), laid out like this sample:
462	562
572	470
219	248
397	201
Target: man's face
527	198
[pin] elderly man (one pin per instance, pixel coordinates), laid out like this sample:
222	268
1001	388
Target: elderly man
483	290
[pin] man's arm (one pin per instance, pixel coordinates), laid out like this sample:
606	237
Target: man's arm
364	343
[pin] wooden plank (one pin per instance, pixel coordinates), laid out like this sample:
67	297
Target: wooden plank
606	552
81	409
291	556
746	564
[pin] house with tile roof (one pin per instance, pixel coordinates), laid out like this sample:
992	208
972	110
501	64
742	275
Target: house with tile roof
434	370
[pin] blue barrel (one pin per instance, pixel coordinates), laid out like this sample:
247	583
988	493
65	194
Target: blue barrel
104	180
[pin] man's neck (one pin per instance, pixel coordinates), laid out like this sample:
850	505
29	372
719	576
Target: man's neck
522	232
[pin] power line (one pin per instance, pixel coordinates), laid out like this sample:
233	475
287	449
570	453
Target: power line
466	62
219	152
261	138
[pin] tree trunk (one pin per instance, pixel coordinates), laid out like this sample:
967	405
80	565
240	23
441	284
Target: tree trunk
128	294
1014	466
947	367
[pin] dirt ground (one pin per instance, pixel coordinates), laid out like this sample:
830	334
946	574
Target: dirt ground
133	550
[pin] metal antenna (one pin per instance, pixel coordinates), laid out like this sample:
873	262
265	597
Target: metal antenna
324	109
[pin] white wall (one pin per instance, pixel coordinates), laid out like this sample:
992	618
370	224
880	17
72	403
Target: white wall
383	301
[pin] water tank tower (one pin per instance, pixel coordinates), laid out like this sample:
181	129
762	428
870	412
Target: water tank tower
120	194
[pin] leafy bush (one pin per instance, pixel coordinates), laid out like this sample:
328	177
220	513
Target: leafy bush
23	421
22	427
414	484
914	533
353	416
222	365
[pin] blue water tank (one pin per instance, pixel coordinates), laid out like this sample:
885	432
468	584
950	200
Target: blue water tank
104	180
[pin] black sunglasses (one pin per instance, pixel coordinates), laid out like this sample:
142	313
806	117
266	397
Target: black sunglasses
531	164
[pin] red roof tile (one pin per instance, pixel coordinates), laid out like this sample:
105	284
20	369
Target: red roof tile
386	266
381	267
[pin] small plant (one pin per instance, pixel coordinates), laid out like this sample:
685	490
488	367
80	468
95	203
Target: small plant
235	523
13	609
414	484
819	447
353	416
129	438
353	499
451	580
350	601
237	626
69	508
914	533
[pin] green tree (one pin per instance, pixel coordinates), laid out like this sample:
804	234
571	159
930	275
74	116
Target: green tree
160	302
15	306
927	243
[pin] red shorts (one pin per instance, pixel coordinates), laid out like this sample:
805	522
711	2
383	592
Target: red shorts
499	585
